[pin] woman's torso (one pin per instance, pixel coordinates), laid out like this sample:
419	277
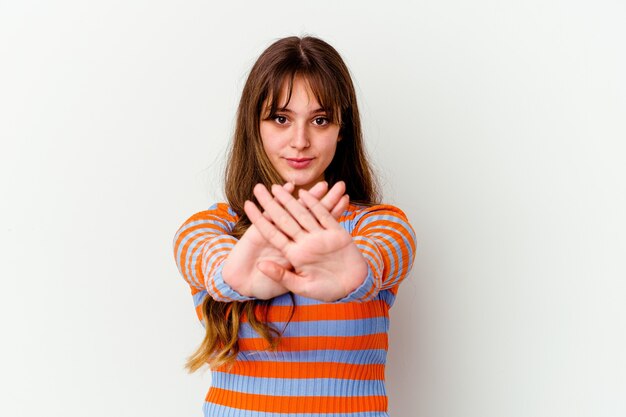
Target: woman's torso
329	361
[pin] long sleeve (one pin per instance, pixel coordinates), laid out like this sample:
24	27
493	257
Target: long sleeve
201	246
387	242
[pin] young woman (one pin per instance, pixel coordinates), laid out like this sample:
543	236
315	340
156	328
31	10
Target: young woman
293	277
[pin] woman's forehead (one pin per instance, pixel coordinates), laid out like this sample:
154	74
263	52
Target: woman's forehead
284	94
288	87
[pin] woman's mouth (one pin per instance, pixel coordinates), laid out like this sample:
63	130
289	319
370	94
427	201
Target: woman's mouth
299	163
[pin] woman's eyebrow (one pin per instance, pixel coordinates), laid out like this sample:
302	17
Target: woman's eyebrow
288	110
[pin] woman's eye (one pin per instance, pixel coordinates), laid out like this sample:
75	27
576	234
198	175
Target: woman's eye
321	121
281	120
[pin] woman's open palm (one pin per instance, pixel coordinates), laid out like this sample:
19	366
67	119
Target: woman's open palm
327	265
240	268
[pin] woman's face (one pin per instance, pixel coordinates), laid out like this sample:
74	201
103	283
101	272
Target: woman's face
300	140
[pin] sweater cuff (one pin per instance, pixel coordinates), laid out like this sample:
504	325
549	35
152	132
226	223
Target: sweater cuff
373	282
219	290
366	291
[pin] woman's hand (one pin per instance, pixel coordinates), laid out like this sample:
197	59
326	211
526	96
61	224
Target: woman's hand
327	265
240	271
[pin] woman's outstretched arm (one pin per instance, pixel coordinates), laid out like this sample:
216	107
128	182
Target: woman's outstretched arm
387	242
201	245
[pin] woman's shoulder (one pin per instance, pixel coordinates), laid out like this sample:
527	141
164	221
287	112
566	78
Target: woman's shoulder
358	215
355	211
219	214
223	209
220	209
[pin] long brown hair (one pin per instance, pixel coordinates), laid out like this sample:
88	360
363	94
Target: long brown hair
321	65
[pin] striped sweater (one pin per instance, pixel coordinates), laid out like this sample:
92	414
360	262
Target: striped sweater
331	358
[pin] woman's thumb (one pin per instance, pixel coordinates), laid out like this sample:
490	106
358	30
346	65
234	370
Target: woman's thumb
271	269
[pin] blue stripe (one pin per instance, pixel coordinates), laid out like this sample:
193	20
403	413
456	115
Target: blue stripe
285	300
355	357
214	410
367	217
230	211
332	328
198	298
298	387
387	296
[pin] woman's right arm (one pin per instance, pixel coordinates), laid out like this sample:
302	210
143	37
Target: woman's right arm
201	246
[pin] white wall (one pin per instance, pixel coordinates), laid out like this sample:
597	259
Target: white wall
497	125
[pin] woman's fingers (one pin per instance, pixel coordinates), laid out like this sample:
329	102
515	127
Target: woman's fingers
297	210
282	218
318	190
285	277
332	199
270	232
289	187
341	206
323	216
293	216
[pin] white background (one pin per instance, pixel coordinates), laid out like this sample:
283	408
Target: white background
498	126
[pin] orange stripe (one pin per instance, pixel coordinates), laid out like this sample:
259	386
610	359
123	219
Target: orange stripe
304	370
296	404
394	289
352	209
319	312
294	344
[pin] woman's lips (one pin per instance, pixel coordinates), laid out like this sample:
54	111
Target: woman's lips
299	163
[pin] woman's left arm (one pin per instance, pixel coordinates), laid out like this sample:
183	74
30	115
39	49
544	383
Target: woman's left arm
387	242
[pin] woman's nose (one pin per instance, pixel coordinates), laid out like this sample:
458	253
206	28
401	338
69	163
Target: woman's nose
300	137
